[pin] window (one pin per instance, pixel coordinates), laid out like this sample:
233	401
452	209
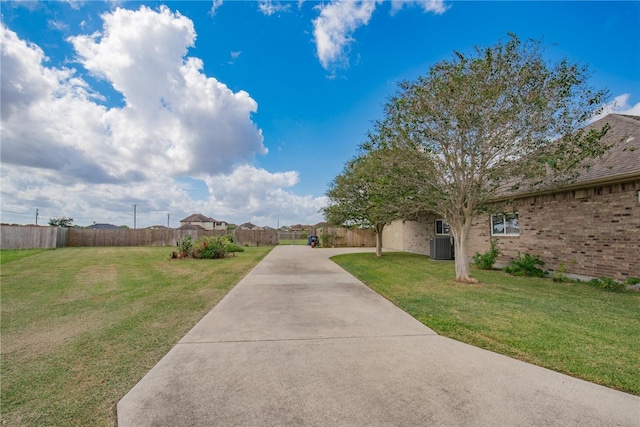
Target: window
505	224
442	228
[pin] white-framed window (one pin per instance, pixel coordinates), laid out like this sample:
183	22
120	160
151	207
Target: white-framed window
505	224
442	228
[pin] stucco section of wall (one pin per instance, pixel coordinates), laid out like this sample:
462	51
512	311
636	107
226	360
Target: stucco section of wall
392	236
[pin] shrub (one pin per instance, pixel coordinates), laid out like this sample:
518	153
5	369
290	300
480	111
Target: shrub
207	247
184	247
211	247
485	261
526	266
232	247
607	284
327	240
633	281
559	275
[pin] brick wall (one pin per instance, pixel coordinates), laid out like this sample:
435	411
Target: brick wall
593	232
417	234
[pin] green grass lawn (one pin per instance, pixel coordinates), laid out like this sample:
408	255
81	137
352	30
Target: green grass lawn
292	242
571	328
81	326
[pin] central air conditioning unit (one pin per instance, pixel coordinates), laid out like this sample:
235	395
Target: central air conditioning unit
441	248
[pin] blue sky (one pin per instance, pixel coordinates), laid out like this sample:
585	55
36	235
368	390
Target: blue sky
241	110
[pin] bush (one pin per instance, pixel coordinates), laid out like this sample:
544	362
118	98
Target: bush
607	284
207	247
633	281
211	247
232	247
485	261
184	247
560	276
327	240
526	266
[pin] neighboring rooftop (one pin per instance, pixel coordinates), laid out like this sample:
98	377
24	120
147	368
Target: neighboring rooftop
190	227
248	226
103	227
198	218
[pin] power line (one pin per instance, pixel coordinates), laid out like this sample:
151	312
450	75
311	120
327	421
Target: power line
19	213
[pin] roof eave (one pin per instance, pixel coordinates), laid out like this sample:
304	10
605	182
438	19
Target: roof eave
619	179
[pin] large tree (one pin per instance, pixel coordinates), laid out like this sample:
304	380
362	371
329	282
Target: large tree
493	121
367	193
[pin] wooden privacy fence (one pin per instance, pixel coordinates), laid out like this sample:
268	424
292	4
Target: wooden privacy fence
346	237
164	237
28	237
32	237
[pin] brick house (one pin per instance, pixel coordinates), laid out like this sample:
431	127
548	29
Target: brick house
590	227
204	222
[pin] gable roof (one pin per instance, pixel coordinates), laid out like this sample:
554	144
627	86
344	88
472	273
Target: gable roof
197	218
622	161
190	227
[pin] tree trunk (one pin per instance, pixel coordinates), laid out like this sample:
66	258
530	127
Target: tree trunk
379	227
461	246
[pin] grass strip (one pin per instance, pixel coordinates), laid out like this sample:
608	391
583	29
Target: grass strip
300	242
81	326
571	328
7	256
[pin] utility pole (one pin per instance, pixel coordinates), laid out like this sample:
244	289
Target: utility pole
36	216
168	216
134	216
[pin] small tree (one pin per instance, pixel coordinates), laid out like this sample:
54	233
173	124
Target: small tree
61	222
366	194
497	120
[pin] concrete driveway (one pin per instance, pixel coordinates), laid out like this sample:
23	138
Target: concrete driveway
301	342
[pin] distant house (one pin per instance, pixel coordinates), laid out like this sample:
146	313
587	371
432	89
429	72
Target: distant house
300	227
190	227
95	226
249	226
590	227
204	222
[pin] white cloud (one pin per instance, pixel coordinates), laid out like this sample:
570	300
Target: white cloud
214	6
619	105
75	4
333	28
57	25
174	115
67	153
269	7
338	20
261	194
434	6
